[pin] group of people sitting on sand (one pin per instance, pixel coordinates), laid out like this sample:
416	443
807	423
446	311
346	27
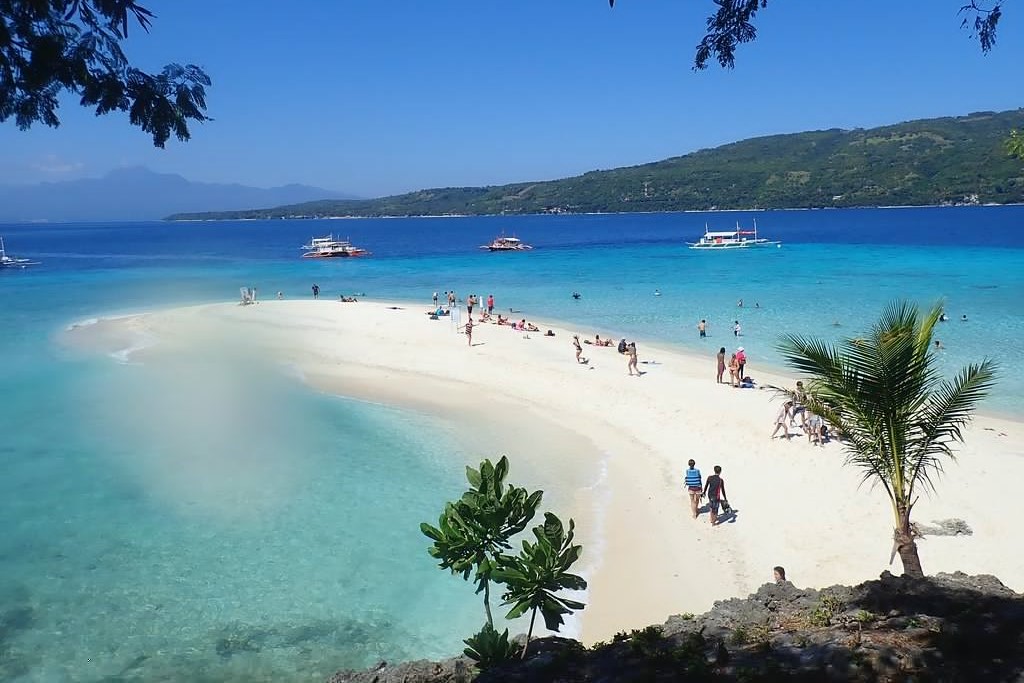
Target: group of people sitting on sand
600	342
521	326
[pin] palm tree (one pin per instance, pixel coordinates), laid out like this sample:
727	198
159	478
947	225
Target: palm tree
896	413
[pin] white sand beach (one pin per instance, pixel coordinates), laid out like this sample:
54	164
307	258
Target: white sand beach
613	449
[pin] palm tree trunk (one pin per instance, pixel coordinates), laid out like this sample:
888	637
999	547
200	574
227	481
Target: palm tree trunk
533	618
487	602
903	540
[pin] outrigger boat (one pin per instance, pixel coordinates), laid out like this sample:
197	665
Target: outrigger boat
328	247
732	239
506	244
12	262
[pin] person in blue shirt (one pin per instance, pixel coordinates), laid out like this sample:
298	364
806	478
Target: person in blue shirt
694	485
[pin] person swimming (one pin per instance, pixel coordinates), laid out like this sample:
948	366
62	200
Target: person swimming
576	295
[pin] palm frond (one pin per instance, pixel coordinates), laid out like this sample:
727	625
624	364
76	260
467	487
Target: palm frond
942	419
885	393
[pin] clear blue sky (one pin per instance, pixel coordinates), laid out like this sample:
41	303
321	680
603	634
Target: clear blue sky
385	96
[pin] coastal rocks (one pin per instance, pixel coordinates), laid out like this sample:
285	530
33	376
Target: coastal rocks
949	627
455	670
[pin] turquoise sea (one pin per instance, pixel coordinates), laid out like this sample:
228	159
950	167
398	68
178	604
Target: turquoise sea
145	540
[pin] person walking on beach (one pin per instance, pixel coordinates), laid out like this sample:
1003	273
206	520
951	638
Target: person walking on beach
721	363
799	405
316	291
714	489
741	361
781	419
490	304
579	349
736	328
469	331
631	365
694	487
702	328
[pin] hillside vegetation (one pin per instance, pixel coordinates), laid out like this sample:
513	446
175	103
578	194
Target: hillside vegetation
953	160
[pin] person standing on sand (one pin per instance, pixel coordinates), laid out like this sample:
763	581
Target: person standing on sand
469	331
631	352
702	328
490	304
721	363
734	369
714	489
470	300
741	360
579	348
693	487
435	300
451	299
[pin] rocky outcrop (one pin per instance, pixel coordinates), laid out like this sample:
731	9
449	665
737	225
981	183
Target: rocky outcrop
950	627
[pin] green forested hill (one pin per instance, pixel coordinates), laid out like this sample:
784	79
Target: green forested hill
932	161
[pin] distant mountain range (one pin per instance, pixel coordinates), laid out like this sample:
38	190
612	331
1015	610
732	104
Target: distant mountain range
136	194
953	160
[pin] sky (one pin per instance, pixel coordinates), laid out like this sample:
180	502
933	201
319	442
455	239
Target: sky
379	97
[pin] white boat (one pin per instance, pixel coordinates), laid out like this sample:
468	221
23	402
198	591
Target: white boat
732	239
503	243
12	262
328	247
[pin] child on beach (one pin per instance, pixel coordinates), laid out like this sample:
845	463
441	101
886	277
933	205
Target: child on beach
469	331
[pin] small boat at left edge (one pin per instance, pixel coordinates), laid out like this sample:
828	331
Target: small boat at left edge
12	262
329	247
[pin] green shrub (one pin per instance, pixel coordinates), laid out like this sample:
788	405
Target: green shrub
488	647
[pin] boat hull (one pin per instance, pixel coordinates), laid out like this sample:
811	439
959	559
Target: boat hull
739	245
336	255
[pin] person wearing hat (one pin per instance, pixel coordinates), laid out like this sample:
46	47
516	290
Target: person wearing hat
741	358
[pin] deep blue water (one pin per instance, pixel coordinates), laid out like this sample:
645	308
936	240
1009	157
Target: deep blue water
146	541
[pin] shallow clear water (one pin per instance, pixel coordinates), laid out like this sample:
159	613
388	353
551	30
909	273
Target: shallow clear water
197	524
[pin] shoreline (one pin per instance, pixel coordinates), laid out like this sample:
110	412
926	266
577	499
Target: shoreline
170	219
797	505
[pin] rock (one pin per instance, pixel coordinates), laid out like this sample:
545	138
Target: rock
950	627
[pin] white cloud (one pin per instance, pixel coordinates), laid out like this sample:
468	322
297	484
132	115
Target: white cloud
54	165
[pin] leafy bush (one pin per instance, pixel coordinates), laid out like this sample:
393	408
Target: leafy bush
488	647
